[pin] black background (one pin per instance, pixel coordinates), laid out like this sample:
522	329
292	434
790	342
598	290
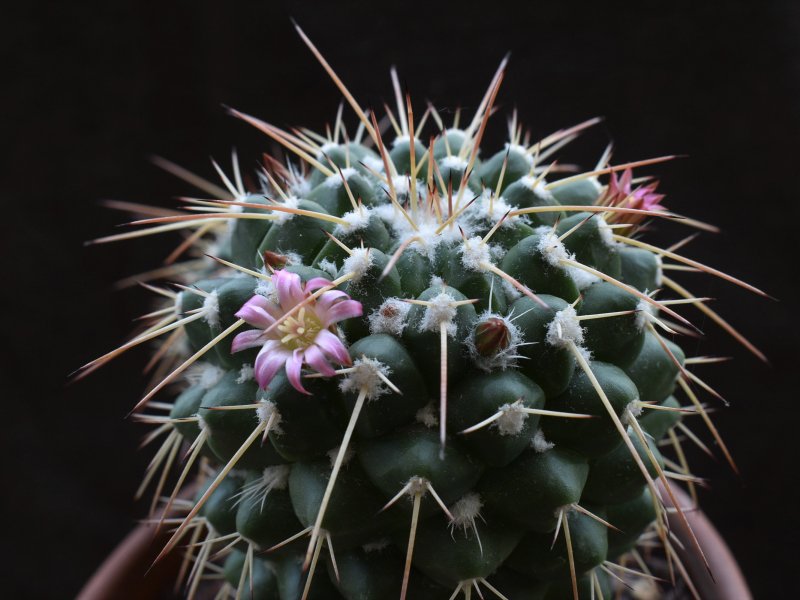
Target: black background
90	91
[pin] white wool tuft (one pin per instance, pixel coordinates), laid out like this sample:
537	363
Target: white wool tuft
645	313
551	247
333	454
633	410
205	375
276	478
498	209
539	443
606	233
511	292
388	213
401	183
298	185
329	267
300	188
355	220
537	186
293	258
554	252
564	328
373	162
512	420
211	309
402	188
427	416
266	288
335	180
497	252
454	163
282	217
424	239
326	148
210	376
365	374
400	139
358	263
487	207
465	511
474	254
581	278
417	485
180	348
516	148
436	281
246	373
389	317
585	353
440	310
659	271
266	410
215	248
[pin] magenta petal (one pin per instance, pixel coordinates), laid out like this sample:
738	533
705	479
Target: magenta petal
293	366
341	311
257	300
613	185
332	346
268	363
290	292
329	297
315	283
625	183
316	360
247	339
254	312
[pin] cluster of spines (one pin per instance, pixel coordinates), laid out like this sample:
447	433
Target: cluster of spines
540	260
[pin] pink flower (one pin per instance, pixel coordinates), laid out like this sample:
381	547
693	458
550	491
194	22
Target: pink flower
307	336
643	197
620	193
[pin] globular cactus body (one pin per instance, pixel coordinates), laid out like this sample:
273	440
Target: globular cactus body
415	372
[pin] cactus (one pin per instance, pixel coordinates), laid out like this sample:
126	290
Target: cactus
411	370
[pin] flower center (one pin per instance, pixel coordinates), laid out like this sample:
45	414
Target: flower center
300	330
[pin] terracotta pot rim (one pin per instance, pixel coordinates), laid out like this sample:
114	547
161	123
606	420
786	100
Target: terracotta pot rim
723	579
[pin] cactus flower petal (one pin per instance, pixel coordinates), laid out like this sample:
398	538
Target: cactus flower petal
346	309
317	361
290	289
246	340
312	285
255	312
295	330
268	363
333	347
293	366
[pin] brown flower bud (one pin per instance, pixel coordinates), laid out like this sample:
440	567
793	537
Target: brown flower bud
491	336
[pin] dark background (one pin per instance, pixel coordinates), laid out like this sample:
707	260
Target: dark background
90	91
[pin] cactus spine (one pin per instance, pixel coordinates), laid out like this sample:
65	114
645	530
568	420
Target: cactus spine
404	369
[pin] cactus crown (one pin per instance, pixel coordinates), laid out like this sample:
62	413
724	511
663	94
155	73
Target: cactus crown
431	370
